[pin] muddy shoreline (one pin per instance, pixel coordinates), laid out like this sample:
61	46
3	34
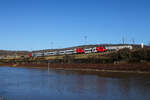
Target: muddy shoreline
133	68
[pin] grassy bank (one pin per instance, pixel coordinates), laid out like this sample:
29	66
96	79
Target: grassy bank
140	68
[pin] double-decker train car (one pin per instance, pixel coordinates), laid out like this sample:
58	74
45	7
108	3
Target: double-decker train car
116	48
50	53
88	50
70	51
38	54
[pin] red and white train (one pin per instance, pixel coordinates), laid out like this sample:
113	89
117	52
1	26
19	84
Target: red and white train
70	51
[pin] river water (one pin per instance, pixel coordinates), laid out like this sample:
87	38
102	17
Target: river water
40	84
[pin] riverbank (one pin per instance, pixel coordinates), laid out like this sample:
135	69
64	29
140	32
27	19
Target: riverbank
134	68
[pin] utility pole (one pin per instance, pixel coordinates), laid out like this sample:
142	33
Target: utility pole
52	45
133	41
123	40
85	38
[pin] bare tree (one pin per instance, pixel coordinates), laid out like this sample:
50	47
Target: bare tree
133	41
149	43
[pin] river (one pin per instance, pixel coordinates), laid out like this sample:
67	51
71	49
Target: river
40	84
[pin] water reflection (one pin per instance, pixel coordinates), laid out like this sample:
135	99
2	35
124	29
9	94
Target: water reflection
39	84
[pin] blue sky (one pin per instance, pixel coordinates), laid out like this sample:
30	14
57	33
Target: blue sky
43	24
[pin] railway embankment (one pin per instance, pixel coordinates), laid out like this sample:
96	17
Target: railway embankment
124	60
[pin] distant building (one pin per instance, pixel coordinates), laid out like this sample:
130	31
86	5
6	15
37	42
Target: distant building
142	45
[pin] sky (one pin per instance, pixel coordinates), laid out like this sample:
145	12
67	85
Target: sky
46	24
